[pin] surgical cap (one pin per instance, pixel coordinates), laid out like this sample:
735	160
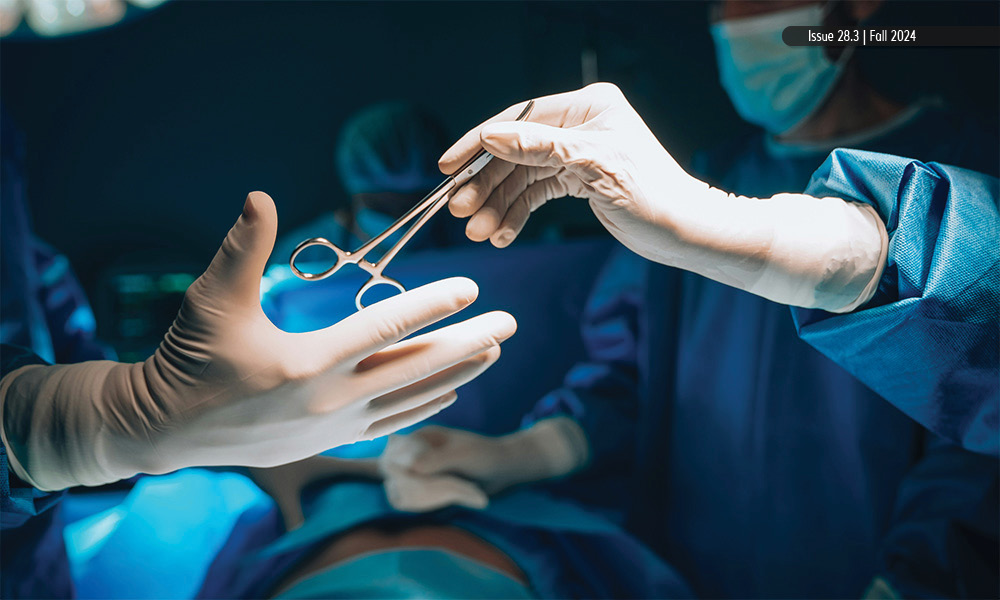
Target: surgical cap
390	147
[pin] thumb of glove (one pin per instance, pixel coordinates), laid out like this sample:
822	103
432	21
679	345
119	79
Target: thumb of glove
400	452
239	264
535	144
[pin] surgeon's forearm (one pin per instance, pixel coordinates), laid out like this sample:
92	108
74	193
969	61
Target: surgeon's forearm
55	434
794	249
549	449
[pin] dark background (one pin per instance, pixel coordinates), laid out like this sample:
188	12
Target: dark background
144	138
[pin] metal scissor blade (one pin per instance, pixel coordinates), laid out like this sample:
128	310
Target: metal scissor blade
437	193
462	175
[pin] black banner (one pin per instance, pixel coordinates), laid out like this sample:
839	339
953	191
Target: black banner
964	36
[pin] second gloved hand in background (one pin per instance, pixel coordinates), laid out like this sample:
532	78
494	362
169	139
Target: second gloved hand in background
435	466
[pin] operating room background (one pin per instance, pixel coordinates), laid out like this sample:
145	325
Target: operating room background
144	138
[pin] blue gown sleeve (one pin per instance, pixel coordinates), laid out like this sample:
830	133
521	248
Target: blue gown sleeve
944	537
600	393
18	500
33	560
927	342
70	320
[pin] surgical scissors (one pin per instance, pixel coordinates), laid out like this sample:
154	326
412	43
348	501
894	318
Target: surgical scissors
422	211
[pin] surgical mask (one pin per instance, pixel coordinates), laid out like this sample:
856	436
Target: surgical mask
409	573
771	84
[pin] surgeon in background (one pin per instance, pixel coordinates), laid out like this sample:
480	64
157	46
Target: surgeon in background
758	464
386	159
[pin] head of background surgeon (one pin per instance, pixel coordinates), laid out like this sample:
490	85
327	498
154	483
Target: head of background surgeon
386	157
798	93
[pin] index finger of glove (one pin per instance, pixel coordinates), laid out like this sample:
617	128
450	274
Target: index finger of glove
384	323
567	109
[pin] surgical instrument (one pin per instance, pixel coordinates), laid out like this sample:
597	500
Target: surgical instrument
422	212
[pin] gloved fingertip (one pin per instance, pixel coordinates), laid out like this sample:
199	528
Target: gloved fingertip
461	205
451	160
467	288
446	401
248	208
490	355
463	289
481	226
257	204
442	403
478	502
503	238
502	323
472	232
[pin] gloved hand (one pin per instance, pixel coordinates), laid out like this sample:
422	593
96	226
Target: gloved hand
791	248
435	467
227	387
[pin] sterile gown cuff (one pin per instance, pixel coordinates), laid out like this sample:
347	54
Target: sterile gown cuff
15	465
601	430
19	499
869	290
929	332
556	445
822	250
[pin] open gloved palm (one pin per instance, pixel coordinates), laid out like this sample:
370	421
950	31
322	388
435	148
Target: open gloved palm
227	387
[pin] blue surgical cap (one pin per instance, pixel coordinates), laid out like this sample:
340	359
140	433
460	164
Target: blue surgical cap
390	147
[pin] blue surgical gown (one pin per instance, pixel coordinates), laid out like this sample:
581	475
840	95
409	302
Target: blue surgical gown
927	341
44	317
33	561
761	466
43	306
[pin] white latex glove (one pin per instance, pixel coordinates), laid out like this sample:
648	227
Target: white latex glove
227	387
791	248
411	492
438	466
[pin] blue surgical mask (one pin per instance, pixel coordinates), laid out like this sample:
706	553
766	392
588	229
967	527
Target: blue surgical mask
771	84
409	573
